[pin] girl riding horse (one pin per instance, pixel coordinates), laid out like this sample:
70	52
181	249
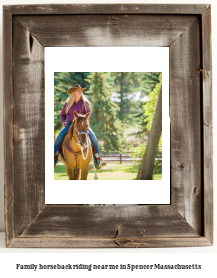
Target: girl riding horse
79	103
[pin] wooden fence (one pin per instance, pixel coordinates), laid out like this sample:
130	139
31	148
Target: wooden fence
114	157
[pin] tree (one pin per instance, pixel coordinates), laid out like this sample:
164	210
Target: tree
148	80
103	120
126	85
155	125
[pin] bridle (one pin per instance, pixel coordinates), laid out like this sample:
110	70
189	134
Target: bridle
78	133
78	141
81	132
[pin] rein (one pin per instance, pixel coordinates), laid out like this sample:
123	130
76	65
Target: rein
83	149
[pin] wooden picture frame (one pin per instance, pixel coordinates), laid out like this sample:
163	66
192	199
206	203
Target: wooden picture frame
186	30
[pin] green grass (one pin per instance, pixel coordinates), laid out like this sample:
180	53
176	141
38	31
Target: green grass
112	171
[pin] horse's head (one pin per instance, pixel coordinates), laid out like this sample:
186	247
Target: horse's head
81	125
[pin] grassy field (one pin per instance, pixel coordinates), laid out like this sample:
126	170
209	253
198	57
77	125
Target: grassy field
112	171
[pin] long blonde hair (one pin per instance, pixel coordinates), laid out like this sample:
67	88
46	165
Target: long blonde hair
71	99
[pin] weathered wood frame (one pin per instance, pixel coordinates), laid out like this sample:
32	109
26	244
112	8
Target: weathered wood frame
188	220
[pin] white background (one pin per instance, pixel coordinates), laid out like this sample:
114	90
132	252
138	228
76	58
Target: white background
204	255
106	59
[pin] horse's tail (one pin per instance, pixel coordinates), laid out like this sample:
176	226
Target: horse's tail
77	173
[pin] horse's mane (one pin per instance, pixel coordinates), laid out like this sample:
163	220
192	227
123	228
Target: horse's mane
70	134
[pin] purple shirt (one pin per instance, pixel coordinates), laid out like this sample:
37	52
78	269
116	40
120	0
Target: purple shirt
78	107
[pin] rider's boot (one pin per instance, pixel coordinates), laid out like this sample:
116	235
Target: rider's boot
98	161
101	162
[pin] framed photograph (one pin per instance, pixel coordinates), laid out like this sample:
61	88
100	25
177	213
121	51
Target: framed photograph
46	45
117	119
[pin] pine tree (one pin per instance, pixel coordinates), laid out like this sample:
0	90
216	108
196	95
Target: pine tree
123	85
104	121
149	81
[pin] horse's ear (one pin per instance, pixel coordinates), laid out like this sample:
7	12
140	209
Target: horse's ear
87	115
75	114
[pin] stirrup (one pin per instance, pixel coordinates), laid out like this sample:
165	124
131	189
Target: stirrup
100	164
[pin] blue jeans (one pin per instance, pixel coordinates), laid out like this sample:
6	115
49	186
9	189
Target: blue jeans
62	134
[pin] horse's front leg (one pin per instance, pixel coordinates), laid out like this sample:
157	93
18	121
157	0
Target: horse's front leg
70	172
84	173
77	173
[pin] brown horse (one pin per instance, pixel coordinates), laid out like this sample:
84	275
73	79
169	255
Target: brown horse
76	148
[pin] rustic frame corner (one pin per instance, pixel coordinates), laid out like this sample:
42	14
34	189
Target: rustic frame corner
186	30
